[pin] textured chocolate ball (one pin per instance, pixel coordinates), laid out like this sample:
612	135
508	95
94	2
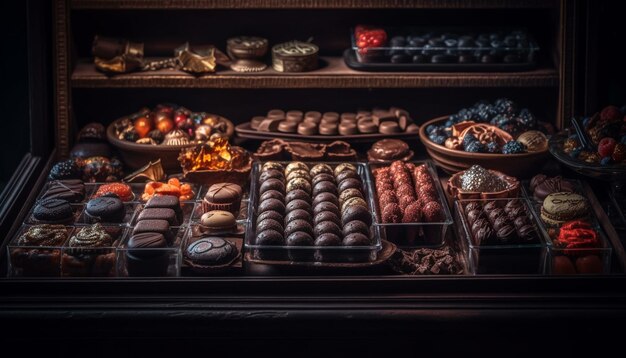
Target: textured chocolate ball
356	239
272	194
298	225
326	216
347	174
299	173
356	212
322	197
350	193
343	166
299	183
272	165
404	201
325	206
297	214
433	212
271	174
328	240
298	204
387	197
350	183
322	177
326	227
272	184
324	187
269	224
392	213
270	215
297	195
404	190
321	169
269	237
273	205
353	201
299	238
356	226
412	213
295	166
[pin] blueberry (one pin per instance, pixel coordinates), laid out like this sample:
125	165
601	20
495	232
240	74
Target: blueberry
431	129
505	105
447	132
493	147
605	161
526	119
475	147
469	138
449	123
455	118
400	58
420	59
417	42
513	147
451	42
439	139
465	115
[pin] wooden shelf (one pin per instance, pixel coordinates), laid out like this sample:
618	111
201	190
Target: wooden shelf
309	4
334	75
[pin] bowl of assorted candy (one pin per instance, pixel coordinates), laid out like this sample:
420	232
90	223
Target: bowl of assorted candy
594	146
493	135
161	132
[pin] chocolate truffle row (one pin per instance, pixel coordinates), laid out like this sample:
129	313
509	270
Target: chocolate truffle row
494	224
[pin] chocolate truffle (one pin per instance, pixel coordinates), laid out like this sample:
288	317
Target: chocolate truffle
474	215
271	174
273	205
323	177
72	190
159	226
270	215
527	232
218	221
473	206
159	214
350	193
325	206
405	201
433	212
350	183
269	224
321	169
299	238
54	211
346	174
299	173
355	226
387	197
357	212
272	184
106	209
272	165
500	222
405	190
297	214
326	227
392	213
412	213
297	194
298	225
298	204
211	251
326	216
506	234
296	166
272	194
324	187
484	235
143	257
353	201
299	183
343	166
495	213
269	237
166	201
389	149
329	197
356	239
490	206
328	240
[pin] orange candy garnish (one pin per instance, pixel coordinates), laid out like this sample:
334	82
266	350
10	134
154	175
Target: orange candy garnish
172	187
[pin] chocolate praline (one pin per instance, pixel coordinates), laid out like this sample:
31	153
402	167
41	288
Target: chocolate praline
387	197
513	204
356	212
412	213
521	221
356	239
297	214
474	215
295	166
269	237
392	213
326	227
473	206
404	190
326	216
321	169
506	234
501	222
322	197
384	186
324	187
495	213
270	214
405	201
299	173
322	177
355	226
271	174
490	206
343	166
350	193
269	224
298	204
299	238
482	222
272	165
272	184
527	232
272	205
328	240
297	194
346	174
272	194
353	201
325	206
350	183
299	183
484	235
433	212
298	225
517	212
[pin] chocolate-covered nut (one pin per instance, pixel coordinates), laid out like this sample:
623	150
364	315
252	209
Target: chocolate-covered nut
490	206
356	212
343	166
272	184
299	183
313	115
353	201
273	205
255	121
328	240
495	213
474	215
350	183
474	205
299	238
326	196
356	226
324	187
297	194
479	224
269	237
270	215
331	117
350	193
321	169
326	216
367	126
287	127
325	206
521	221
347	174
298	225
307	128
269	125
269	224
299	173
323	177
272	165
501	222
348	128
295	166
298	204
389	128
296	214
328	128
506	234
271	174
356	239
326	227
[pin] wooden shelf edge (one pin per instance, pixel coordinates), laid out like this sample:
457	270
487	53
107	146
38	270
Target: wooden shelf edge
307	4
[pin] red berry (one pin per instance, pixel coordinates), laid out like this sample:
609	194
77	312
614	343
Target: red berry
619	153
606	146
610	113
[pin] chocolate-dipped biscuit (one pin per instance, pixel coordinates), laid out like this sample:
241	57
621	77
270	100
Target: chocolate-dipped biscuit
347	174
313	115
326	216
343	166
307	128
270	214
356	212
269	125
332	117
299	183
326	227
296	214
356	239
322	177
269	224
294	115
353	201
272	205
276	113
295	166
350	183
298	204
325	206
269	237
389	128
321	168
298	225
348	128
350	193
271	174
297	194
272	184
326	196
299	173
355	226
328	240
367	126
271	194
328	128
287	126
255	121
272	165
324	187
299	238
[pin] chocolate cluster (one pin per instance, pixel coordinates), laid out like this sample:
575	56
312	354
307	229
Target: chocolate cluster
317	206
500	222
426	261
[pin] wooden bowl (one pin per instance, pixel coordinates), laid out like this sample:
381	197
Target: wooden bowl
523	165
137	155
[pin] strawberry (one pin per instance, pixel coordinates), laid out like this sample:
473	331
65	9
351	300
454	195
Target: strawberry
610	113
606	146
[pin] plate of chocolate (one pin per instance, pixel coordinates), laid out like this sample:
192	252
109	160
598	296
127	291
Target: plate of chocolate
487	134
362	126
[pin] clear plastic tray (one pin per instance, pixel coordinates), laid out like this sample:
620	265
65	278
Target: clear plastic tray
501	259
92	261
308	253
411	235
150	262
35	261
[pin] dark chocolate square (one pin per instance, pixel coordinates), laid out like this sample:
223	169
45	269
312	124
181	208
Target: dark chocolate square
158	226
159	214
